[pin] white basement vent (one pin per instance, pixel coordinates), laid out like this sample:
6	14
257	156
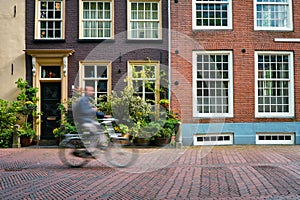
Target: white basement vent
275	138
213	139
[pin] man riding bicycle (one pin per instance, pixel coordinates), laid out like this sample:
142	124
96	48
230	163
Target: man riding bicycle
86	117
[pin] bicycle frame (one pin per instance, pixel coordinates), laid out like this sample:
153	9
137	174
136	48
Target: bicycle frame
114	153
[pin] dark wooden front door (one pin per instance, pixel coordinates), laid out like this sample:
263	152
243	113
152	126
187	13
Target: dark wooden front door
50	99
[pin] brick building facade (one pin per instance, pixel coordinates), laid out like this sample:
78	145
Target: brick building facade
236	69
233	65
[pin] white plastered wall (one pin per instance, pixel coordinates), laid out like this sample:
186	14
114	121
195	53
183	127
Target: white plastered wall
12	45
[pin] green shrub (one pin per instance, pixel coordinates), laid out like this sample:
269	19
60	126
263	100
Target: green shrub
67	125
7	121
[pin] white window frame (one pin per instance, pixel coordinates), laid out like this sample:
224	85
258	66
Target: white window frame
39	19
144	29
289	21
229	80
210	27
97	20
93	77
156	79
213	139
268	138
290	80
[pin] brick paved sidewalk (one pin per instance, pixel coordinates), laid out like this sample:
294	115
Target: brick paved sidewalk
220	172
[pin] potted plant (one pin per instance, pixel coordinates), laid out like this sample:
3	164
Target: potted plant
131	111
26	109
26	134
168	130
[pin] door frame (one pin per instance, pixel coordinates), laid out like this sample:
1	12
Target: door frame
49	57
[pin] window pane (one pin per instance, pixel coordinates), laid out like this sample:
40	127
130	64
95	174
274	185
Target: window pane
102	71
89	71
102	86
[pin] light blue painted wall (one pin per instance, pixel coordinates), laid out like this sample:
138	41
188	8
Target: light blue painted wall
244	133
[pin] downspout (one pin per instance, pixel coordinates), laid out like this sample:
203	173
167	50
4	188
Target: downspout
178	138
169	52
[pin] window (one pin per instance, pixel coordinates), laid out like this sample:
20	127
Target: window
50	20
273	15
144	79
275	138
50	72
213	139
213	84
98	76
274	84
212	14
144	20
96	19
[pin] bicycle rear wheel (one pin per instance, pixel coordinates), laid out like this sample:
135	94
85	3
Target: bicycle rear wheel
66	153
120	156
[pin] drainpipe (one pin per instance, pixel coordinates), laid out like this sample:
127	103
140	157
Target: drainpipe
178	138
169	52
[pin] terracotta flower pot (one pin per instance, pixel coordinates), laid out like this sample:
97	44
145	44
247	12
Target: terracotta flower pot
161	141
25	141
141	141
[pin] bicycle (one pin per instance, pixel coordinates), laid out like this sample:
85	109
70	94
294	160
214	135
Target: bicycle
106	142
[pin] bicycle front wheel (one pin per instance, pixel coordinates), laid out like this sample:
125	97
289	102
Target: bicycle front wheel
66	153
120	156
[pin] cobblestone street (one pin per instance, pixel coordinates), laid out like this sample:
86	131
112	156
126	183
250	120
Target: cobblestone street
214	172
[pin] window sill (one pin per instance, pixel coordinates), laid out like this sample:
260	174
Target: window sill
212	30
151	41
94	40
49	41
274	29
277	116
213	116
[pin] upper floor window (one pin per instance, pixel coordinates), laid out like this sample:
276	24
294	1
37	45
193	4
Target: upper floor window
273	15
50	19
95	19
274	84
98	76
212	14
212	84
144	19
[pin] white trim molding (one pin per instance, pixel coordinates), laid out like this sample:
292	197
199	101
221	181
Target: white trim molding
286	39
33	60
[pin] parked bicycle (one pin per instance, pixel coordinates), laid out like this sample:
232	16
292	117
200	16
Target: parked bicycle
75	149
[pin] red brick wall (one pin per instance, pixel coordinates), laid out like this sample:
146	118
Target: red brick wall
242	36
